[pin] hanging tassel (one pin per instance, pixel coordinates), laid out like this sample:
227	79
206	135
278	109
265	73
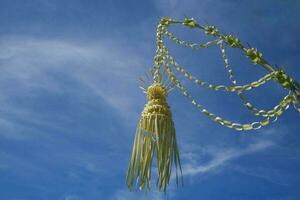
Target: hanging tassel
155	134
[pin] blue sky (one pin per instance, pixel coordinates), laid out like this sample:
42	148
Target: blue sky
70	100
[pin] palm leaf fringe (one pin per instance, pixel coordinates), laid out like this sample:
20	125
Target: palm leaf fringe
155	134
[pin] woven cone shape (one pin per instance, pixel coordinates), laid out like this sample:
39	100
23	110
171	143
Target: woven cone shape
155	135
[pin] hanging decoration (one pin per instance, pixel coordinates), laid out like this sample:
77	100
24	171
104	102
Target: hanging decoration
155	134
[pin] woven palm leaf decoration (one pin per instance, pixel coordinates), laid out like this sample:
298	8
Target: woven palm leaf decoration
155	134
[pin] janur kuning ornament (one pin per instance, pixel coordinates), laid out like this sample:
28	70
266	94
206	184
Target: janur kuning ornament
156	135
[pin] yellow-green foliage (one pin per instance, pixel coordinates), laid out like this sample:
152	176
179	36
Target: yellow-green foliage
155	135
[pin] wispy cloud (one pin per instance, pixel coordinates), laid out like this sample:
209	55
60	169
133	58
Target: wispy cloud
92	74
32	67
176	8
125	195
29	62
221	156
270	174
71	197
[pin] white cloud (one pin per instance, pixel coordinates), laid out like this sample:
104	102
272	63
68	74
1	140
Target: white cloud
270	174
71	197
105	69
176	8
127	195
222	156
102	74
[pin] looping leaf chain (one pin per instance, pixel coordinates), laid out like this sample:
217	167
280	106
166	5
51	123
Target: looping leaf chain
224	88
233	42
264	113
163	57
244	100
237	126
273	114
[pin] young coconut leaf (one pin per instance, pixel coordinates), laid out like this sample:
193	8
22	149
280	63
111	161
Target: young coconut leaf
155	135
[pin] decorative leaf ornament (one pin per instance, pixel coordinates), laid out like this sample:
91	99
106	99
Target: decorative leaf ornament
155	134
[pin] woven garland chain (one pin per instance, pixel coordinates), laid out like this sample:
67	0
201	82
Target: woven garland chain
237	126
211	86
248	104
264	113
190	45
227	123
219	120
276	112
231	39
252	53
224	88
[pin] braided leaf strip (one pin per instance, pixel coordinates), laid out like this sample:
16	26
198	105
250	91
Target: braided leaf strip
233	42
255	111
224	88
264	113
219	120
252	53
190	45
248	104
